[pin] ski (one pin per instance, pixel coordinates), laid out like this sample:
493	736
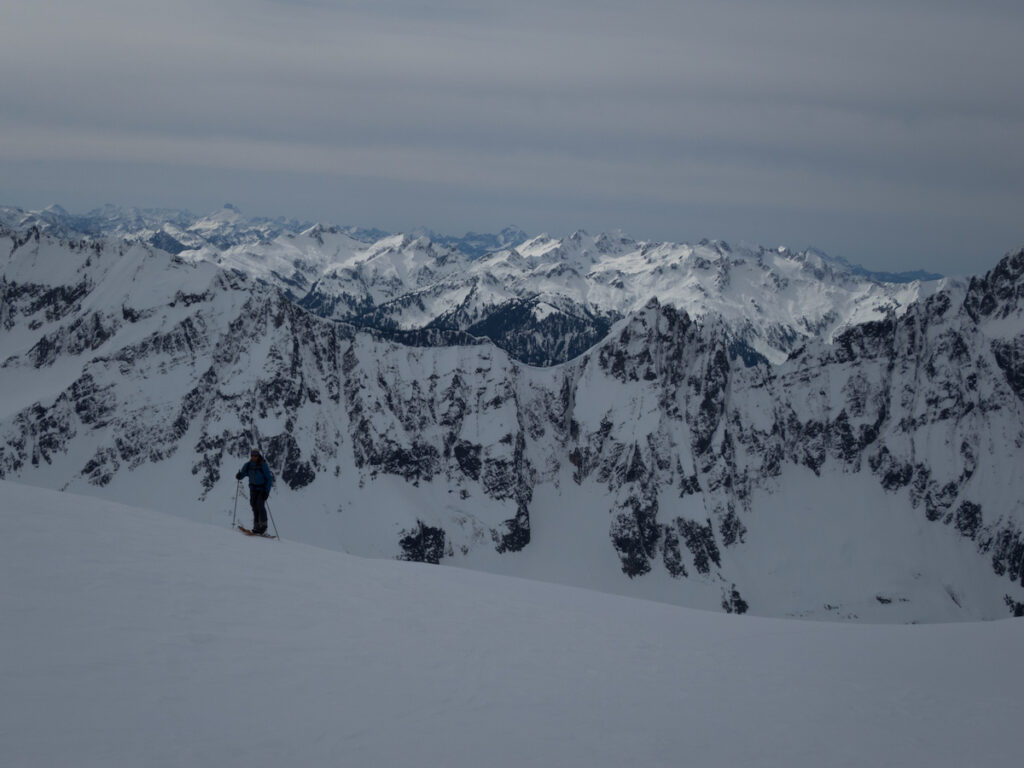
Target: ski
247	532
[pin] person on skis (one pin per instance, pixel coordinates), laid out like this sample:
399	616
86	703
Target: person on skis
261	480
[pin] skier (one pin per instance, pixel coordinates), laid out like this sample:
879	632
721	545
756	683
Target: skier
261	480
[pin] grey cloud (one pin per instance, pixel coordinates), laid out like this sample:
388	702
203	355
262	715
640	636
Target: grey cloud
670	116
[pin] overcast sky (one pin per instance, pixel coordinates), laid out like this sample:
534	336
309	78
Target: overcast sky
889	133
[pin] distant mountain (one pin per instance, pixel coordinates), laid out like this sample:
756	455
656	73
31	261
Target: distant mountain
918	275
548	299
543	300
175	229
474	244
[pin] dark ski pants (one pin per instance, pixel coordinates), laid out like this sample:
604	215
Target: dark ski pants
258	502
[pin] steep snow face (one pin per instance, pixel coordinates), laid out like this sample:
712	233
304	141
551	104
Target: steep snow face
393	268
134	638
871	478
63	303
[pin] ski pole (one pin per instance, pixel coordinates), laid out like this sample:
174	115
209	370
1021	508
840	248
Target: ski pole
277	533
234	512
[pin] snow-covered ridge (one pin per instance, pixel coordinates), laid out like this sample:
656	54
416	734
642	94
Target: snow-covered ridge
542	299
773	300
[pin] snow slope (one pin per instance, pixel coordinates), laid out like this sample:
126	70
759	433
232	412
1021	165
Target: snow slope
134	638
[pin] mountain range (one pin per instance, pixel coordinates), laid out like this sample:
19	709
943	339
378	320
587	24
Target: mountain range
742	429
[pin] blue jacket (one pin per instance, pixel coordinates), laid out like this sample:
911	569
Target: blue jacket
259	475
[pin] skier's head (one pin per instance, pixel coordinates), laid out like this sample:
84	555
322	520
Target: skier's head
255	455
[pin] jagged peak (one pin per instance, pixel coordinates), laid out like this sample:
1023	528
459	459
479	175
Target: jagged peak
56	210
318	229
1000	292
1010	267
227	214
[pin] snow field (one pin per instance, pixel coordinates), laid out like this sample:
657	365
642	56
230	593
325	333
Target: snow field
135	638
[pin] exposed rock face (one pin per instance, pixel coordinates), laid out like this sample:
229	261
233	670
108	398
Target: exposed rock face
692	456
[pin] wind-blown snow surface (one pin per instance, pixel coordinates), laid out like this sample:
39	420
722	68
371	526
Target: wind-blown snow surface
135	638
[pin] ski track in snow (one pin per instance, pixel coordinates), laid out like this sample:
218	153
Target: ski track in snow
133	638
